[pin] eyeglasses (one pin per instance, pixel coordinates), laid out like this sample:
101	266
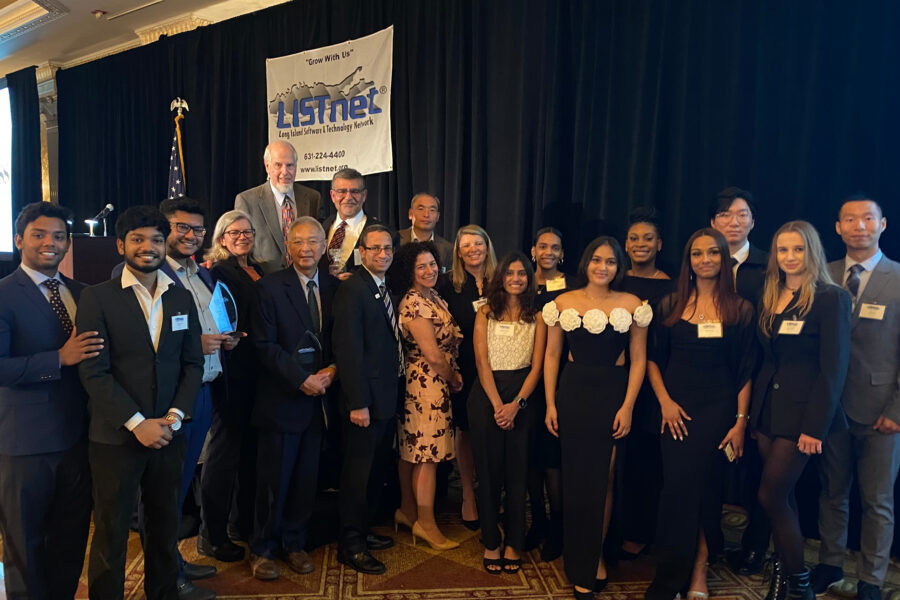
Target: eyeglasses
742	216
379	249
235	233
184	228
352	191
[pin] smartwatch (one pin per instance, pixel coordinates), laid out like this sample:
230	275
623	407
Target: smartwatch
174	422
522	402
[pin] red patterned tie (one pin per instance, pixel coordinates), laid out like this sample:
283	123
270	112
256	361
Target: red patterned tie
287	217
337	241
57	305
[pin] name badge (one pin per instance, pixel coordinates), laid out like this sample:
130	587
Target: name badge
504	329
872	311
356	259
479	303
179	322
791	327
709	330
556	284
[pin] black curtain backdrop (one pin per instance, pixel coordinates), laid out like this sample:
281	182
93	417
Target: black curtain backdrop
26	145
524	113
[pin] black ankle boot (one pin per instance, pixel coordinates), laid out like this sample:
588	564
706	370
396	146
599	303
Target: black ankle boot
536	533
777	583
798	587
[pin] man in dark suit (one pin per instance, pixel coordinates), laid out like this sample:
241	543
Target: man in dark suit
45	485
275	204
292	333
732	214
369	358
871	399
141	385
424	213
348	194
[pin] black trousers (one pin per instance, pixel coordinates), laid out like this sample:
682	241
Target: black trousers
228	478
122	470
287	472
367	460
501	460
45	512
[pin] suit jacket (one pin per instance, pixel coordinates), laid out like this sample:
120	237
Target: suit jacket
352	264
365	348
259	203
129	376
43	407
280	328
873	379
751	275
802	376
445	248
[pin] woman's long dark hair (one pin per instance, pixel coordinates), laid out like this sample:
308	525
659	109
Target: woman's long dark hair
400	275
725	299
618	253
497	297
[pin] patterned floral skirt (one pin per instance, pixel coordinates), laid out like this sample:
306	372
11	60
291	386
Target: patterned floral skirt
426	423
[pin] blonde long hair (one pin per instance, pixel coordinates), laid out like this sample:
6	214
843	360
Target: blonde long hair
458	273
816	273
217	252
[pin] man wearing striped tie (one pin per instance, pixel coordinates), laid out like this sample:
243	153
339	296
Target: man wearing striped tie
348	194
369	356
45	482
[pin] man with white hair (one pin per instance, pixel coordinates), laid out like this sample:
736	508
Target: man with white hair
275	204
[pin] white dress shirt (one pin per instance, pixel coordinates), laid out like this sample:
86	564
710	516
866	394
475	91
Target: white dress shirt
304	280
186	270
355	226
39	278
740	256
152	308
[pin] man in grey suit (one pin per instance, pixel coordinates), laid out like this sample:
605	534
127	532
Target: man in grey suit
871	400
424	214
275	204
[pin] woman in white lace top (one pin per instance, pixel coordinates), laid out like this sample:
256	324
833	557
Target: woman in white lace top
509	341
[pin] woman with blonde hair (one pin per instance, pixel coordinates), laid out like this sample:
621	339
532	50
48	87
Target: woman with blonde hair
804	329
474	263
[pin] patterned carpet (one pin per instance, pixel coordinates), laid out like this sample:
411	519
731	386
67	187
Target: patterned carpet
420	573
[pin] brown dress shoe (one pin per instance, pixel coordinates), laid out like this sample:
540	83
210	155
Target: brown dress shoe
264	569
300	562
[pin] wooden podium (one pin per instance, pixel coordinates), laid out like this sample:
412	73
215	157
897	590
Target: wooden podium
90	259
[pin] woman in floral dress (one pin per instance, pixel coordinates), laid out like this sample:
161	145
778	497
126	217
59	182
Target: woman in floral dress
431	341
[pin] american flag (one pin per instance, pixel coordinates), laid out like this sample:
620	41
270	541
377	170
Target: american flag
176	163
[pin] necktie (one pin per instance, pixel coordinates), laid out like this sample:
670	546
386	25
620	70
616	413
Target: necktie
57	305
287	217
853	279
337	240
734	262
313	304
389	307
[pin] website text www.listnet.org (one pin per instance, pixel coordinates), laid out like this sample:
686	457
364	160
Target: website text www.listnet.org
321	169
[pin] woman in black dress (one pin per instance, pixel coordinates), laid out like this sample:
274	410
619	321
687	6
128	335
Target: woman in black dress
804	329
701	363
592	408
544	454
230	465
640	466
474	262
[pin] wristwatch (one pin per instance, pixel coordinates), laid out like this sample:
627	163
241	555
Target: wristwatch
173	421
522	402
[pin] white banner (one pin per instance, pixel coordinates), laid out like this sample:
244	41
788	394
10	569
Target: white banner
334	105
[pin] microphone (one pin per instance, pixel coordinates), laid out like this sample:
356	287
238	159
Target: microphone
104	213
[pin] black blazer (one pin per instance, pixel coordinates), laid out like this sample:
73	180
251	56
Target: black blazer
751	275
802	376
365	348
129	376
279	330
242	361
43	407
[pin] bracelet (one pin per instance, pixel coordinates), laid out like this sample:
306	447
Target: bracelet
742	416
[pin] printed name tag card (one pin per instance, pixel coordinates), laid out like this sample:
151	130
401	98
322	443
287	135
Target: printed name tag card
179	322
709	330
504	329
872	311
479	303
557	284
791	327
